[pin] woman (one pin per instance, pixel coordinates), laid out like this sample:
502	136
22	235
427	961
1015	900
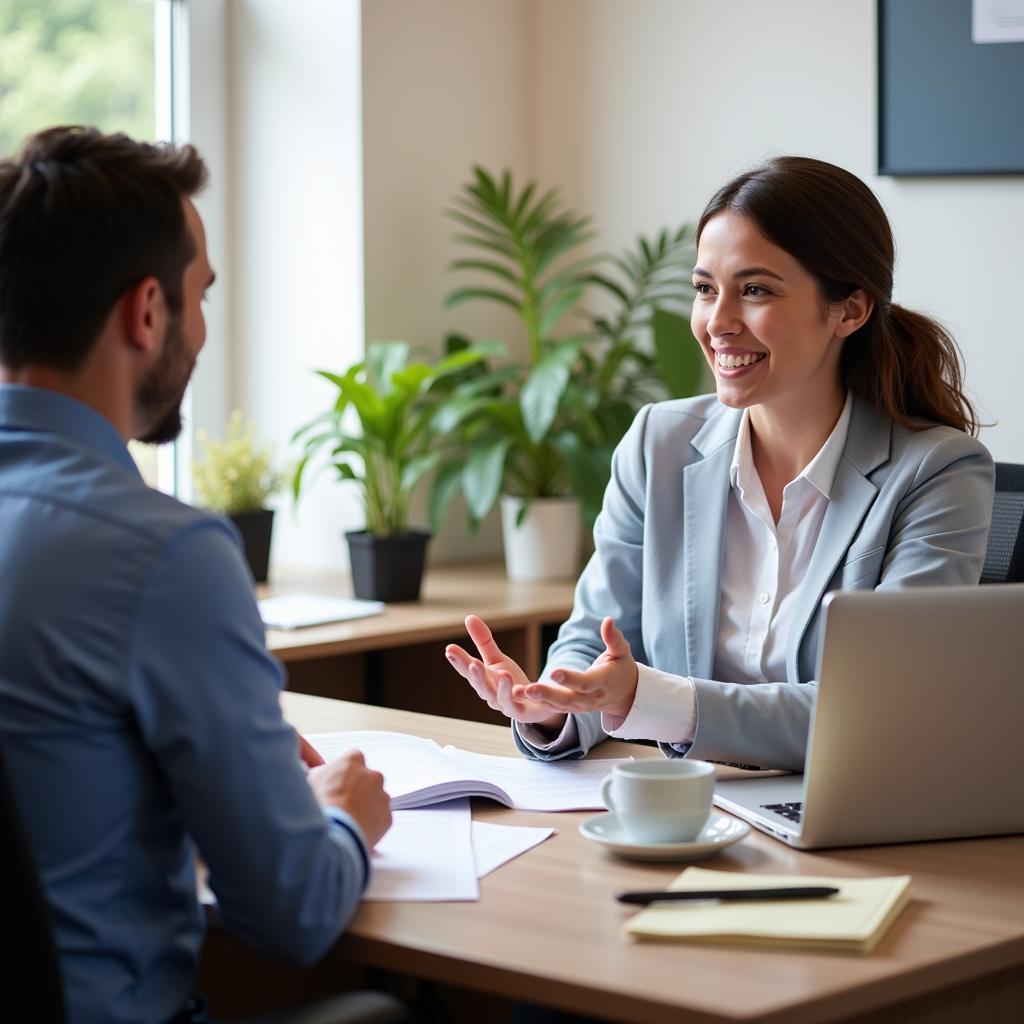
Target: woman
838	454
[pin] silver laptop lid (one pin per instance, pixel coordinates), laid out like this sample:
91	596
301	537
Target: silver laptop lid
919	720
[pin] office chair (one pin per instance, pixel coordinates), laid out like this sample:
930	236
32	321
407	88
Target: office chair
30	983
1004	559
31	990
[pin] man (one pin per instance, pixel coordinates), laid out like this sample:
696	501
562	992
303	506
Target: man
138	707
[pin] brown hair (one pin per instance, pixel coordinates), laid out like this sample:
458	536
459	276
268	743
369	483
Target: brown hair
83	217
904	363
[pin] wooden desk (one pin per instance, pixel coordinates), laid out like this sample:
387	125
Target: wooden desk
546	927
397	658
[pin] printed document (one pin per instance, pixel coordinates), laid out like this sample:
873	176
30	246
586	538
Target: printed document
418	772
426	855
437	854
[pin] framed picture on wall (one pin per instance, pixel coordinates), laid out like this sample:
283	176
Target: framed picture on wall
950	87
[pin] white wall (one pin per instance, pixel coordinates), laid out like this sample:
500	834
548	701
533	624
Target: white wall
445	85
644	109
296	253
638	110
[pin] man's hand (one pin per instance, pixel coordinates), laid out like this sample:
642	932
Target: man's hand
308	754
348	784
496	676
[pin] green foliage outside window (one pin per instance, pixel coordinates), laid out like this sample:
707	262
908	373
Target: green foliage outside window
76	62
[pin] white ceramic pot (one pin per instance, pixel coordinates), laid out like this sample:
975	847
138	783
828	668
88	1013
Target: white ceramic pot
547	544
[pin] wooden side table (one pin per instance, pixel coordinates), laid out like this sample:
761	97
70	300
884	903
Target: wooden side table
396	659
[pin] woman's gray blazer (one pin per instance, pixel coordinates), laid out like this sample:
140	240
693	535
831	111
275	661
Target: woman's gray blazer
908	508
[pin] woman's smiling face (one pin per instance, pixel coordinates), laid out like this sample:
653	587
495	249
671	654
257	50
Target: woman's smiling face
766	329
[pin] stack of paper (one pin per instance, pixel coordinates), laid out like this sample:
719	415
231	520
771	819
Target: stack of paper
438	853
433	850
854	920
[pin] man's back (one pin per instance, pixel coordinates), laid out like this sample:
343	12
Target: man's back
137	711
74	568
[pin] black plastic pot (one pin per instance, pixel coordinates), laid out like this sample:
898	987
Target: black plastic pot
256	528
387	568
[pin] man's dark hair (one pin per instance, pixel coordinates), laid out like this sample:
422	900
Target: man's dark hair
83	217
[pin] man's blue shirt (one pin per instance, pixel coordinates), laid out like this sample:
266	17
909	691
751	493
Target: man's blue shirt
140	719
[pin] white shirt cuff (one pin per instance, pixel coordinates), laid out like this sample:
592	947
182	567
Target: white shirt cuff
664	709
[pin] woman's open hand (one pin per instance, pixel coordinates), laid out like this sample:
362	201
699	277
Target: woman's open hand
494	676
609	685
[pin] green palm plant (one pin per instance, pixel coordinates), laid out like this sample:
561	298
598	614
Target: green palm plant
654	293
641	351
521	237
511	419
547	427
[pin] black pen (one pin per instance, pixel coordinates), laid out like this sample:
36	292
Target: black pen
796	892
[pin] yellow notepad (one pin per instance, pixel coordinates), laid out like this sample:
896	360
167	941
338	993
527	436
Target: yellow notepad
852	921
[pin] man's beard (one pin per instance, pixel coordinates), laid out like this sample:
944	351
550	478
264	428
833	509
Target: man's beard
160	394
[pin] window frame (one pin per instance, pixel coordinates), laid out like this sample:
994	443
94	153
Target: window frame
195	55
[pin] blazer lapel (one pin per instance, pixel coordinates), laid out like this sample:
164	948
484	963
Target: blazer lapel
867	447
705	505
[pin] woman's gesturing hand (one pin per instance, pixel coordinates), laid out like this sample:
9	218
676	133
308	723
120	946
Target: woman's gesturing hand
609	685
494	676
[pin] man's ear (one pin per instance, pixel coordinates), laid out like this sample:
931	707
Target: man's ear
144	313
854	311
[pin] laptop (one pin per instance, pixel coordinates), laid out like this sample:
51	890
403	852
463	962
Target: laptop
918	727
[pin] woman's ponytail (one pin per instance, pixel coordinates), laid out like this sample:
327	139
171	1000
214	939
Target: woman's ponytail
909	368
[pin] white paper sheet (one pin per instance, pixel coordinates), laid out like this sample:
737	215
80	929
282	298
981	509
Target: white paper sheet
293	611
541	785
426	856
494	845
417	772
997	21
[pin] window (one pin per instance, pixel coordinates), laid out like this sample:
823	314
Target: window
102	62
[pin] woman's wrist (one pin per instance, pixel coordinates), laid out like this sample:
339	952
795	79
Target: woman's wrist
551	728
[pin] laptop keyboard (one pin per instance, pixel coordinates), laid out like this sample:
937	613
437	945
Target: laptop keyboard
791	811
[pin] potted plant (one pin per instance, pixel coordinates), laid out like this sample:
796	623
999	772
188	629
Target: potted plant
379	434
540	433
235	478
505	435
640	350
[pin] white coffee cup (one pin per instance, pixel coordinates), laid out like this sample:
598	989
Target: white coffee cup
660	801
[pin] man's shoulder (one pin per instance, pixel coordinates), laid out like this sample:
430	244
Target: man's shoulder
127	504
101	505
165	516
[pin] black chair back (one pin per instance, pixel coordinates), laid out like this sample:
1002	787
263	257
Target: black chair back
31	990
1004	559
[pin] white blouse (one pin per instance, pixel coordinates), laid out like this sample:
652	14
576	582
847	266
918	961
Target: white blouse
763	566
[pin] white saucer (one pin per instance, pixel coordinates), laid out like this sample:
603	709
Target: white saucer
719	832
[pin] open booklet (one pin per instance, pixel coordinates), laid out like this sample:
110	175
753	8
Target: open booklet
418	772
